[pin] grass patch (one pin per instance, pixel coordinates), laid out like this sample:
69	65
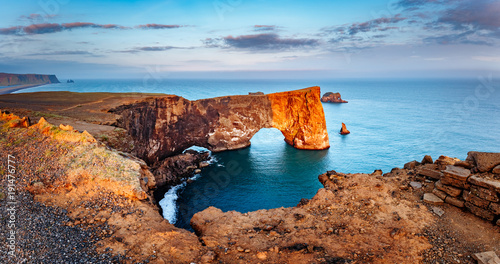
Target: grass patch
45	115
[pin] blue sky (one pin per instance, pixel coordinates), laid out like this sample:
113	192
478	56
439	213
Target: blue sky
251	39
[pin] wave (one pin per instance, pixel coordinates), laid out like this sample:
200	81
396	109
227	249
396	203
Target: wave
168	203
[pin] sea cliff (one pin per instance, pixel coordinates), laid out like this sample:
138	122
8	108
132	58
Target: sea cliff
9	79
167	125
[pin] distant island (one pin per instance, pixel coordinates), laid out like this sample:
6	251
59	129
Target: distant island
16	82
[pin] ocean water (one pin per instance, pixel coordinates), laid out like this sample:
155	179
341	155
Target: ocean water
392	121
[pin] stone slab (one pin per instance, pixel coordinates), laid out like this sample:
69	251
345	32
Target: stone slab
484	193
471	198
484	182
454	201
416	185
480	212
438	211
440	194
495	208
450	190
455	183
489	257
434	174
431	198
456	172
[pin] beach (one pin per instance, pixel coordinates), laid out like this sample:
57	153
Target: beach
14	88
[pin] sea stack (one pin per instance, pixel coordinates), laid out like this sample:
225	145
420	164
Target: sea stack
332	98
343	130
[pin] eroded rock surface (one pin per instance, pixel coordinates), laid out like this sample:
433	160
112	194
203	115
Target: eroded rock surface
166	125
332	98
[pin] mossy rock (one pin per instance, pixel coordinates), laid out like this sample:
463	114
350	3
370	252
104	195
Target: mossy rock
2	196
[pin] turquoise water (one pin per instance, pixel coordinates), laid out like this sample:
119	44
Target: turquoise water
391	122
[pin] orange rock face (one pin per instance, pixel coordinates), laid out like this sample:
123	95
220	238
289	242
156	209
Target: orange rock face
166	125
343	130
300	117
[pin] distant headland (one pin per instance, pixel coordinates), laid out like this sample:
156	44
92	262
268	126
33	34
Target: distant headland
16	82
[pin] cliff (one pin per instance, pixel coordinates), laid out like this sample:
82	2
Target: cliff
8	79
166	125
332	98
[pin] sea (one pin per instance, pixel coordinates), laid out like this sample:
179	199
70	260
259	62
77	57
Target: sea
392	121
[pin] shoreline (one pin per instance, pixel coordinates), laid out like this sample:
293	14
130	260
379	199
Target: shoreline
14	88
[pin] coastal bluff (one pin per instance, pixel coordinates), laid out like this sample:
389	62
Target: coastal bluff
9	79
164	126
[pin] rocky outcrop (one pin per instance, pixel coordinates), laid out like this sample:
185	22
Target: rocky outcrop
483	161
7	79
173	170
164	126
343	130
332	98
470	184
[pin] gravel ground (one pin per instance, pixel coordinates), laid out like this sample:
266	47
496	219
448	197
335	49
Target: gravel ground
43	237
42	234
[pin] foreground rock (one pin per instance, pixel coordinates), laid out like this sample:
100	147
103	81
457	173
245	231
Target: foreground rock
84	203
167	125
90	204
332	98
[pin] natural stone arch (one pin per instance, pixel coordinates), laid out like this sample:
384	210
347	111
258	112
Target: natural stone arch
166	125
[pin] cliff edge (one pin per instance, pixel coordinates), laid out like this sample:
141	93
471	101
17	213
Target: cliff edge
164	126
8	79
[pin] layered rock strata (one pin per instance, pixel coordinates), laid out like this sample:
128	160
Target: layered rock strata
472	184
7	79
167	125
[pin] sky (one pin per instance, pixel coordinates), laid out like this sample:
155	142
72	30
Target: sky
251	39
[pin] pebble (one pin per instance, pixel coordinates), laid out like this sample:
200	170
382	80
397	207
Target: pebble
262	255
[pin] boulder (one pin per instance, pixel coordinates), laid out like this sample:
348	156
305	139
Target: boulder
483	161
444	161
496	170
427	160
332	98
411	165
343	130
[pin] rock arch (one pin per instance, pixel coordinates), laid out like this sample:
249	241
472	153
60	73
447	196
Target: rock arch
166	125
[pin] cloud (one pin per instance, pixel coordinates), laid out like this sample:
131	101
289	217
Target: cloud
152	48
10	30
57	53
45	28
468	37
374	24
264	28
478	14
269	41
157	26
411	5
486	58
